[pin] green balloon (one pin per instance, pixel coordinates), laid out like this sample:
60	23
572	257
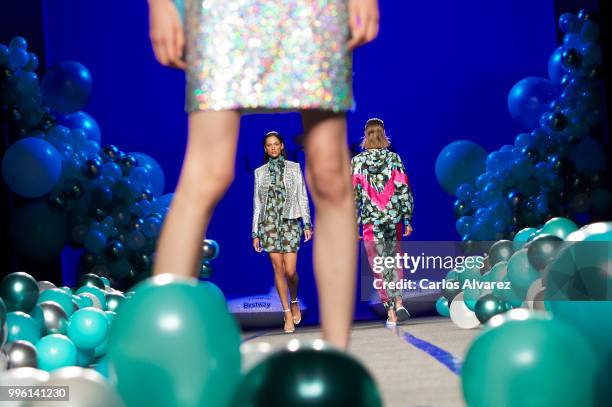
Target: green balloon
68	290
91	279
2	312
19	292
88	328
442	307
106	281
498	272
522	236
521	273
488	306
60	297
55	351
470	297
308	377
560	227
21	326
500	251
85	356
535	362
113	301
471	273
83	301
177	339
101	295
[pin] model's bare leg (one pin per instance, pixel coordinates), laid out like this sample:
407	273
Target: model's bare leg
290	262
335	232
280	280
207	171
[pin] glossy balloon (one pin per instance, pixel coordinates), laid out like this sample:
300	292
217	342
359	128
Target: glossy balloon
60	297
22	326
19	292
66	87
21	354
88	328
56	351
461	315
487	306
458	163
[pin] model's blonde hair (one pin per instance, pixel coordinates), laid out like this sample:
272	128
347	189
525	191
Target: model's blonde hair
374	135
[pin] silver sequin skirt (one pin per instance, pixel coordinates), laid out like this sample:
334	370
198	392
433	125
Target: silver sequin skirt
267	55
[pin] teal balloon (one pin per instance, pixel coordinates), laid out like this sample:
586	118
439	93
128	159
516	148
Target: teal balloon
535	362
470	297
560	227
85	356
68	290
55	351
521	273
522	236
110	315
594	232
500	251
101	295
113	301
460	162
442	307
105	281
176	338
102	367
38	231
471	273
83	301
3	312
101	349
308	377
22	326
88	328
60	297
19	292
487	306
452	275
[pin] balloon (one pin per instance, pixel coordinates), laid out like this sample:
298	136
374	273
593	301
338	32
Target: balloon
21	354
98	293
66	87
19	292
569	23
82	121
157	179
56	351
555	68
51	318
31	167
91	280
206	270
542	250
458	163
113	301
45	285
521	355
21	326
560	227
22	376
451	289
307	377
529	98
210	249
522	237
461	315
500	251
181	317
442	306
487	306
60	297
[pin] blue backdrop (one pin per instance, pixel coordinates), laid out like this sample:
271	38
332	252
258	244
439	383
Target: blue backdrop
439	71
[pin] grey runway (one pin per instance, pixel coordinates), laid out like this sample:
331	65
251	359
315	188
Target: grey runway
414	365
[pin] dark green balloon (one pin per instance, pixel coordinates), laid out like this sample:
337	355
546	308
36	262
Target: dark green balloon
533	362
19	292
206	270
2	312
113	301
92	280
308	377
487	306
543	249
500	251
175	338
449	291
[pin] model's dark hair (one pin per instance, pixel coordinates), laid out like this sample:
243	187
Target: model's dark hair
280	138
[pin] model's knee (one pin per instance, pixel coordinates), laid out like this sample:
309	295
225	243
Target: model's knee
278	270
330	182
291	274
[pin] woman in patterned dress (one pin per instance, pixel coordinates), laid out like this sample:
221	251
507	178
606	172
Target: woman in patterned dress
280	201
244	56
384	204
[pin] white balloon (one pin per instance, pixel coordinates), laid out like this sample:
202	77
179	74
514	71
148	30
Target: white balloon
45	285
22	376
87	388
461	315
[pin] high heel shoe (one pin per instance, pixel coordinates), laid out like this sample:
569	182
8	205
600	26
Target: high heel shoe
297	321
287	331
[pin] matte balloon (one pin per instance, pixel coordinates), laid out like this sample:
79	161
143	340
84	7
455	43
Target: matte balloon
461	315
83	121
529	98
156	174
19	292
23	376
286	378
521	272
513	359
22	326
199	338
56	351
522	236
88	327
458	163
21	354
560	227
66	87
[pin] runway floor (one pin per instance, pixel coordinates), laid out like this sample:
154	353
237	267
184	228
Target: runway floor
414	364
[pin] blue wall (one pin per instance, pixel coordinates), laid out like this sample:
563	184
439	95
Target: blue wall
438	72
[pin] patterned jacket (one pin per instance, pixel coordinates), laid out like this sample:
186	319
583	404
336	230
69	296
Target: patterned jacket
381	186
296	203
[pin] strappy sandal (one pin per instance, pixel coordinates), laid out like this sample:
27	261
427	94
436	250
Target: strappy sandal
287	331
295	320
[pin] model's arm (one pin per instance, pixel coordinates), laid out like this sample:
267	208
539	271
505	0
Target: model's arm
302	198
357	191
406	200
166	32
256	210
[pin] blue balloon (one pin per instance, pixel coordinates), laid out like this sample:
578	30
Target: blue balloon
18	58
572	41
140	177
555	67
157	179
151	227
464	225
81	120
465	192
38	231
165	200
588	155
111	170
458	163
94	241
529	99
569	23
591	54
66	87
31	167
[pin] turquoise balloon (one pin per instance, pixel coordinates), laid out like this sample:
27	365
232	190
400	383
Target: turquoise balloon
451	275
534	362
522	236
458	163
105	281
442	307
68	290
55	351
102	367
470	296
101	349
88	328
83	301
19	292
60	297
113	301
101	295
469	273
85	357
21	326
599	231
110	315
37	315
560	227
176	338
521	273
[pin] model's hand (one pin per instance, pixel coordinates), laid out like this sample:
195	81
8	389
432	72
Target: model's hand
307	234
166	32
257	245
407	230
363	22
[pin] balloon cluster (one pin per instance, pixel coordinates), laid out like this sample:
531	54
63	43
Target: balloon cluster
556	169
210	251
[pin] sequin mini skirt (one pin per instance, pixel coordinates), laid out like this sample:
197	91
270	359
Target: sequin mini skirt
274	55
